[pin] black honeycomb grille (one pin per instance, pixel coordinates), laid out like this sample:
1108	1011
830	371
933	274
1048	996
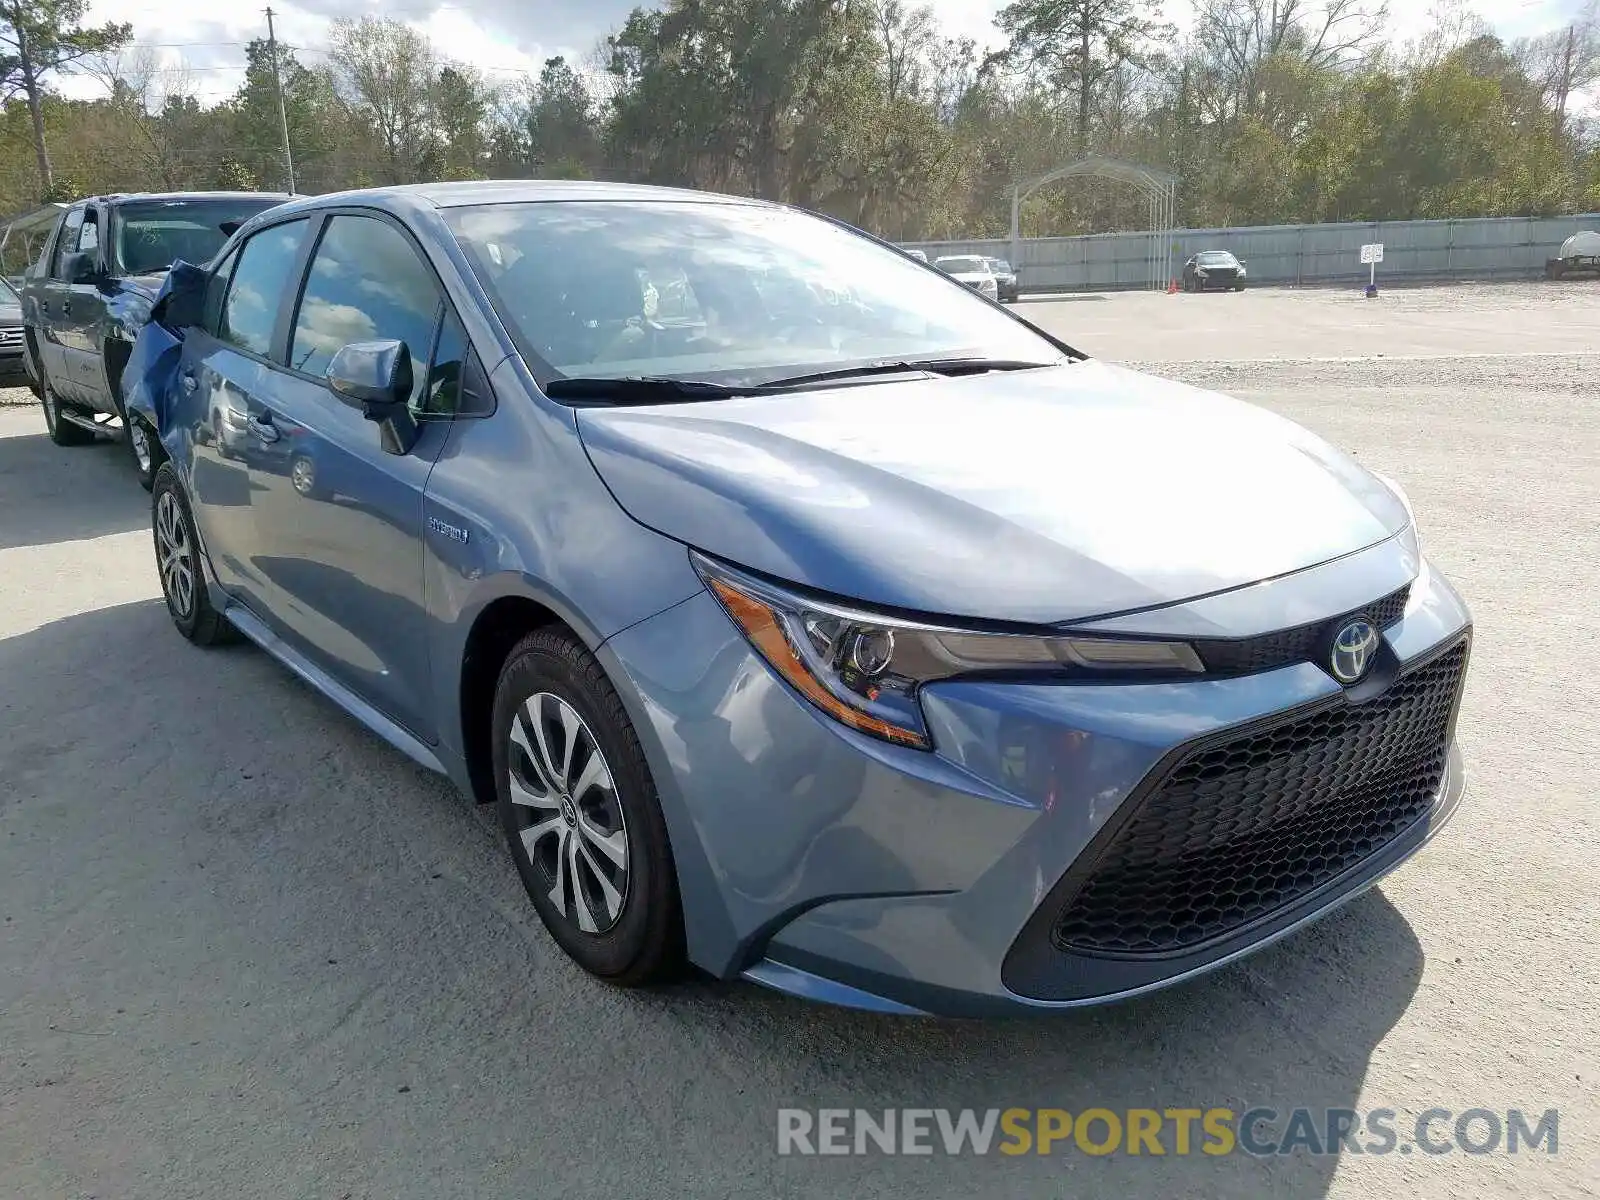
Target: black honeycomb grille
1246	656
1239	830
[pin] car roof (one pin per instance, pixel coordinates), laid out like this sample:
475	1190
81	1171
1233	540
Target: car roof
509	191
163	197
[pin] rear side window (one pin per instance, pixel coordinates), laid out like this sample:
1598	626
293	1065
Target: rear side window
367	283
250	311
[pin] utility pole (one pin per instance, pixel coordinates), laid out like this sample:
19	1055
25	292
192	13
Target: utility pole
283	115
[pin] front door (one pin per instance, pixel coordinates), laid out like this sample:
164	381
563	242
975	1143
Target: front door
83	306
53	311
339	521
226	371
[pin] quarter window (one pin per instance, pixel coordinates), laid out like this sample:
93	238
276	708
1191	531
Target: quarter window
367	283
250	312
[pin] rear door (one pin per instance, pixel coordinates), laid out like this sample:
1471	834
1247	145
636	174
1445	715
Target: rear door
339	521
224	379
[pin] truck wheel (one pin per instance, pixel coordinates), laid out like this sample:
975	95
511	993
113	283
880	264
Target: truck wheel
62	432
144	448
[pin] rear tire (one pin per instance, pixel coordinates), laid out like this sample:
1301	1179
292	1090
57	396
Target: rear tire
183	580
581	815
62	432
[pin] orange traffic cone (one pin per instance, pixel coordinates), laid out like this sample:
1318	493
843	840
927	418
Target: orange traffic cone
1172	287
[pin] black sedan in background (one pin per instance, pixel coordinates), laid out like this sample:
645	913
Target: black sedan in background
1005	278
1213	269
13	371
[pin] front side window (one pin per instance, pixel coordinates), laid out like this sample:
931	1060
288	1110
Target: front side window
255	294
66	242
151	236
367	283
734	293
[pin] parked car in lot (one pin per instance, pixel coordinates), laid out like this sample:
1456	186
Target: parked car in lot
89	294
1213	270
971	270
13	371
886	652
1005	279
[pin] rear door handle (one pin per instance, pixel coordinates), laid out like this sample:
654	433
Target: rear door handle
66	309
263	428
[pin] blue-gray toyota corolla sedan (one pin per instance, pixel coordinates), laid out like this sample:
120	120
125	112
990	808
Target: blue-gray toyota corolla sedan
807	616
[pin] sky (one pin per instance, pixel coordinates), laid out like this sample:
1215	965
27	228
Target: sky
505	38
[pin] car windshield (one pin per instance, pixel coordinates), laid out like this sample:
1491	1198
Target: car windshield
153	236
731	293
1217	258
1000	265
957	265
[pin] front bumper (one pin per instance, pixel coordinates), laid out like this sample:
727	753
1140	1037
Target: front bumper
13	367
830	865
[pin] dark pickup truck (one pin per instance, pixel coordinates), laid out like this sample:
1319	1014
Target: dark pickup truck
86	298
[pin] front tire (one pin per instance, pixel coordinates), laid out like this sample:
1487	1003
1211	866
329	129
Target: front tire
581	815
144	448
62	432
183	580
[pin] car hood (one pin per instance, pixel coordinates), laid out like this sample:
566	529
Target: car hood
10	313
1040	496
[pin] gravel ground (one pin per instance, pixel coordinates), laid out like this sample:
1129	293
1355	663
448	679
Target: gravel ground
248	950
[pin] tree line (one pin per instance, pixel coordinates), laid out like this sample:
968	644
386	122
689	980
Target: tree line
1268	111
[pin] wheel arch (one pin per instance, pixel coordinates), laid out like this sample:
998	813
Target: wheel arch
498	627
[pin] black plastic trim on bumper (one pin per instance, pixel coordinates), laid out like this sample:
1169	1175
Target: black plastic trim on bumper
1035	967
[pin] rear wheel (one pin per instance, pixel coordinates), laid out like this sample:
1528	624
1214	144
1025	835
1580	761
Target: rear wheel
580	813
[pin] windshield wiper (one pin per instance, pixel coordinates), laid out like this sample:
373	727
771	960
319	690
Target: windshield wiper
937	366
641	389
651	389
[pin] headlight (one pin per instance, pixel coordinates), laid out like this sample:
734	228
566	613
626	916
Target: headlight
864	669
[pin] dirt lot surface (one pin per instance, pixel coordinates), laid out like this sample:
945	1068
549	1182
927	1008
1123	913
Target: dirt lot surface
247	950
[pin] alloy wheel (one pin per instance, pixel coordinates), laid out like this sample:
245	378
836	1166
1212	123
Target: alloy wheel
575	832
140	441
175	555
301	475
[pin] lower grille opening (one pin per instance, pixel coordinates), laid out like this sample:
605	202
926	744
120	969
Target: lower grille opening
1238	830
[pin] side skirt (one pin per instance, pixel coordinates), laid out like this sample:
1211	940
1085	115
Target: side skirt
247	623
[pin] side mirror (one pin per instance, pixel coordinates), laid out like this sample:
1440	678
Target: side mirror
376	378
79	267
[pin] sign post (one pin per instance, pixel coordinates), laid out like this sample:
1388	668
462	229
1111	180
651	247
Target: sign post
1372	255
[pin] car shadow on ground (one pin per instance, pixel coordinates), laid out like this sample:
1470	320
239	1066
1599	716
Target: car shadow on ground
286	932
51	493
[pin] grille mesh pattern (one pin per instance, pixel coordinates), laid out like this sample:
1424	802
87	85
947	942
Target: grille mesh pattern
1270	651
1242	829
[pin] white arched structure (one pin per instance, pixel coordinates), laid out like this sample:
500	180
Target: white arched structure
1158	188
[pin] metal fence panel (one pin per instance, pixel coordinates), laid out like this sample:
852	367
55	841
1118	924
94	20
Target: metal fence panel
1477	248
